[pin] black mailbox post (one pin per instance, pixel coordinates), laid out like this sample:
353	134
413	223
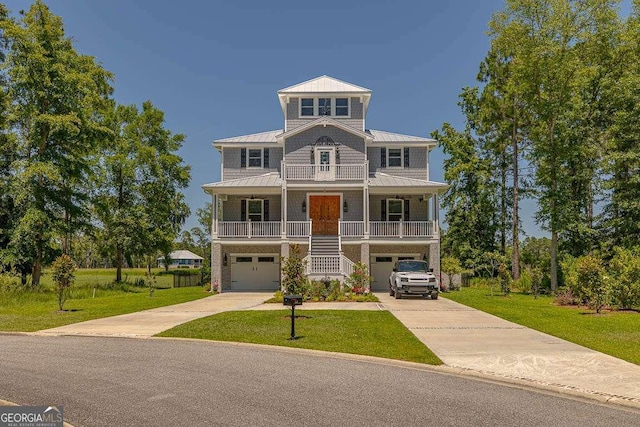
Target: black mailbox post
292	301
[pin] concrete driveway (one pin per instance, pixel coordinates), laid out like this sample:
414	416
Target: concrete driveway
150	322
478	342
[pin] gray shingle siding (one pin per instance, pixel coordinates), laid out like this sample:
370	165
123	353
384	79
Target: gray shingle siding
417	163
231	209
232	169
356	120
354	203
418	211
298	147
294	205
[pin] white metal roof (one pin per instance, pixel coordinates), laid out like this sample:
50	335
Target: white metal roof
324	84
269	136
182	254
384	180
382	136
267	180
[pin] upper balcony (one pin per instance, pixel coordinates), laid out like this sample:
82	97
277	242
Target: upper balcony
325	172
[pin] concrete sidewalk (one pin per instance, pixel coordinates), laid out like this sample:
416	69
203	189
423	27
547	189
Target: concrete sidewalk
150	322
477	342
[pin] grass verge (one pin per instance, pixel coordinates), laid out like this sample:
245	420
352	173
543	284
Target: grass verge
616	333
371	333
33	311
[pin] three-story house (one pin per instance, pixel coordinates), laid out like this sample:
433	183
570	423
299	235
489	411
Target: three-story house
343	192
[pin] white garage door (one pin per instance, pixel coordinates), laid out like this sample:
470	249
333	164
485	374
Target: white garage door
381	268
255	272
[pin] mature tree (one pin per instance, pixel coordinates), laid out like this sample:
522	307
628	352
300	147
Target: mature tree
549	56
621	219
57	96
138	200
470	200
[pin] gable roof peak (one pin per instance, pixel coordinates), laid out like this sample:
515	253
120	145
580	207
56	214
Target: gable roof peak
324	84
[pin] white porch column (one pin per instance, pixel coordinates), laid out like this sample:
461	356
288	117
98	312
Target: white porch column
283	212
214	216
365	211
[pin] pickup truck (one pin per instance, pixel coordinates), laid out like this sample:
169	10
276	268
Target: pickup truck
413	277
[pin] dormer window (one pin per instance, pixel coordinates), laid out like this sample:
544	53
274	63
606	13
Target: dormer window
342	106
317	107
306	107
324	106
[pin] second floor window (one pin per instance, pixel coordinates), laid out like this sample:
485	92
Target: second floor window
255	158
394	156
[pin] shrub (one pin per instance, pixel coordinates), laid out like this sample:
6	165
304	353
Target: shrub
63	277
592	281
624	268
524	282
294	280
504	276
564	296
359	280
9	283
318	289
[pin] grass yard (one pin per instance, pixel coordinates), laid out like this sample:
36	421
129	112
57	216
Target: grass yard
371	333
102	277
29	311
616	333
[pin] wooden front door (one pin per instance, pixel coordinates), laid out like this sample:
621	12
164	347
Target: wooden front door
324	212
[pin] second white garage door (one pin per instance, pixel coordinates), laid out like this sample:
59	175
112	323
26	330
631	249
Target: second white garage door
255	272
381	268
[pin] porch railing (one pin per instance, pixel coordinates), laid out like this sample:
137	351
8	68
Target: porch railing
356	172
351	228
302	229
401	229
248	229
322	264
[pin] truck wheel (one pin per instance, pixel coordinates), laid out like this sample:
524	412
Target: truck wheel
391	291
398	295
434	295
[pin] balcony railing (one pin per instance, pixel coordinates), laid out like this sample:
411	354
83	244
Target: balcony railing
325	172
401	229
348	229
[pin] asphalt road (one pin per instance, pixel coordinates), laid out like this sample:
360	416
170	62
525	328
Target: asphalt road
131	382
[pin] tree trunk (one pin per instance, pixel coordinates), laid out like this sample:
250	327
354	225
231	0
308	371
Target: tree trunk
118	262
515	260
36	273
554	260
503	205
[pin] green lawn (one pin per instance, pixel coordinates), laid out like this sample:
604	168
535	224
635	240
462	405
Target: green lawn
372	333
32	311
614	333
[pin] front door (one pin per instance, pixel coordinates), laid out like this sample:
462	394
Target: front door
325	164
324	212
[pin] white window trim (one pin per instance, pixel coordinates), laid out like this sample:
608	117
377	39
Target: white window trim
401	210
261	150
401	157
316	107
247	201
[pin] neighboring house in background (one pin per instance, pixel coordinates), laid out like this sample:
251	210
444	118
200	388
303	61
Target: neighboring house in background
343	192
182	259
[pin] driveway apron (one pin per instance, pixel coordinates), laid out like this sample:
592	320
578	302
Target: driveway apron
472	340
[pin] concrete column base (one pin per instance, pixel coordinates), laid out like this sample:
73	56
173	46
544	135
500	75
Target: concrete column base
216	265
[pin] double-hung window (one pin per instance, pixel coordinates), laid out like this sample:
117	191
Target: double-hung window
306	107
254	209
395	209
342	106
394	157
324	106
255	158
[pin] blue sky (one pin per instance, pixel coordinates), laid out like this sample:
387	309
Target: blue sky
214	67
